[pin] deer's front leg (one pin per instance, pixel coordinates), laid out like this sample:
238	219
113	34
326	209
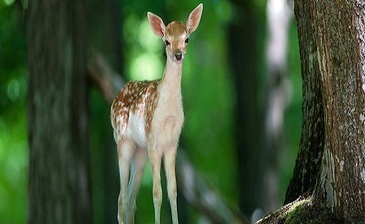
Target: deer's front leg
125	152
169	161
155	160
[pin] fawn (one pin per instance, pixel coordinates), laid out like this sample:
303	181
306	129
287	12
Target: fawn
147	118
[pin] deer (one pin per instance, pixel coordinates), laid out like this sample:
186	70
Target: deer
147	119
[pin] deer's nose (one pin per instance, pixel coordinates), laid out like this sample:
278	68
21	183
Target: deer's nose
178	56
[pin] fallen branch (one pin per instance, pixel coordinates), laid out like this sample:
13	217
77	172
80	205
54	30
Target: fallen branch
104	77
202	195
193	187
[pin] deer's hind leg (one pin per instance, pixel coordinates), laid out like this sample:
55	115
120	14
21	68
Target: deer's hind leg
125	152
138	163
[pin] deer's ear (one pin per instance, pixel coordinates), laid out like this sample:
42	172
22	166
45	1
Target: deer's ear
157	25
194	18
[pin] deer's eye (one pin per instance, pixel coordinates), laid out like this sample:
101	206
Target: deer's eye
187	40
167	42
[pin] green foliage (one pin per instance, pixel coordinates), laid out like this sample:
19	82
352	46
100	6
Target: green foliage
13	136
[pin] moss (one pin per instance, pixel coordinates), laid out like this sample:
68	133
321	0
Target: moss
304	212
300	211
294	213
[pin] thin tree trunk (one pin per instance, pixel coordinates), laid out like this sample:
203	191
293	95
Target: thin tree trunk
243	46
59	185
278	19
106	27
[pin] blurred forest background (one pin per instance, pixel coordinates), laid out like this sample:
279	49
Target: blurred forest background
241	92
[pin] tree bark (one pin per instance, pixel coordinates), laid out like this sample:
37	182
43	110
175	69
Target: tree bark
59	185
311	143
331	159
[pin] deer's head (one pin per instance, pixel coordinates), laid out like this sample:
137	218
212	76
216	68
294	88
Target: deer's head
176	34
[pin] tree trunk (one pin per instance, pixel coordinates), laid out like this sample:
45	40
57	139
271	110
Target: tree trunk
331	160
340	38
59	185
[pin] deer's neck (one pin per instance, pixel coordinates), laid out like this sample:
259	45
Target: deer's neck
170	88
